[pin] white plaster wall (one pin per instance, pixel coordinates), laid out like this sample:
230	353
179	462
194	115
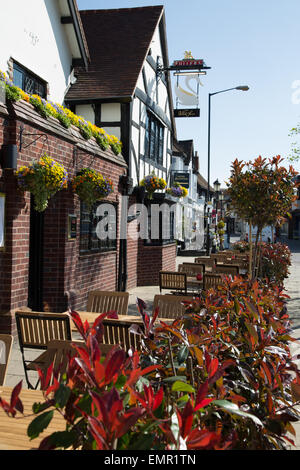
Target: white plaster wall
86	111
32	34
111	112
136	110
151	81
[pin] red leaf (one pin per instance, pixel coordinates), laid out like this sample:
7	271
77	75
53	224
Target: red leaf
203	403
158	399
114	364
97	432
202	391
78	322
15	394
155	315
213	367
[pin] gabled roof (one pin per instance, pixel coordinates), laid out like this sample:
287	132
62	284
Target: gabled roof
118	41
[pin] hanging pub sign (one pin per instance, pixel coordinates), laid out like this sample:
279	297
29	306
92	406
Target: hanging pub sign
187	112
187	93
182	177
188	64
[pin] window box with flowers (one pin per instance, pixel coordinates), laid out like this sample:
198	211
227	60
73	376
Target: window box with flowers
91	186
152	183
64	115
177	191
43	178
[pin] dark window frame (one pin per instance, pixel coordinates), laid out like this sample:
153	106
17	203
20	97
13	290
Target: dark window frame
28	81
93	244
154	139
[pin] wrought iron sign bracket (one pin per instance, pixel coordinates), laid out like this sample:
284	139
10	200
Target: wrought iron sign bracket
22	133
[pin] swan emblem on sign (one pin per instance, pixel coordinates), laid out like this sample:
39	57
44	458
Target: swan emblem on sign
185	97
189	96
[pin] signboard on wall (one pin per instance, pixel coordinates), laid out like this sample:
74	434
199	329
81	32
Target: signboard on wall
182	177
186	112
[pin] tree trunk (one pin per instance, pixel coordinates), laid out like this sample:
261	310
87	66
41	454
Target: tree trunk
250	249
255	252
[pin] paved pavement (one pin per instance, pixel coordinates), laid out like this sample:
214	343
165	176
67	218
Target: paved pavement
15	369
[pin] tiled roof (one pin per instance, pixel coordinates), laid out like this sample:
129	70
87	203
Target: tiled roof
118	41
202	182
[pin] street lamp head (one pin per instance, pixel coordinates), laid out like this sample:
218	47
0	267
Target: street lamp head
242	87
217	185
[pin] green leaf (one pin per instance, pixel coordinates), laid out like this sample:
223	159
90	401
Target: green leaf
179	386
120	382
233	408
183	354
38	425
174	378
62	395
63	439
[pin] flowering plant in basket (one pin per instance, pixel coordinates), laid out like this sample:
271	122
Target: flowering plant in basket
43	178
91	186
152	183
177	191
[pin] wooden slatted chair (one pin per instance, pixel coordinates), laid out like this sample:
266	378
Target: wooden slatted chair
59	352
208	262
227	269
117	332
104	301
173	281
170	306
191	269
6	342
211	280
35	330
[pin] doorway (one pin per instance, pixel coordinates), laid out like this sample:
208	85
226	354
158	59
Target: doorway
36	252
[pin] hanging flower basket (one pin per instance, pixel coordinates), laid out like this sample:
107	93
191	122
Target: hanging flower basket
177	191
152	183
43	178
91	186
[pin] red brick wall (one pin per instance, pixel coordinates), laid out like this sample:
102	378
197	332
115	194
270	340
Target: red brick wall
64	268
151	260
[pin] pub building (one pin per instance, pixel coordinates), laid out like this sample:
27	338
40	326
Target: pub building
43	255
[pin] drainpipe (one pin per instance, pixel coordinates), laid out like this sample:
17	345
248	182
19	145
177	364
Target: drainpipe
126	181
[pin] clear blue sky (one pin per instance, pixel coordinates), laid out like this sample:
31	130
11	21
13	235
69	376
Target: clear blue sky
253	43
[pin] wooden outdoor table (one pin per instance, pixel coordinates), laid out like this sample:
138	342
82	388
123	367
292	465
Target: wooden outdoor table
13	431
122	319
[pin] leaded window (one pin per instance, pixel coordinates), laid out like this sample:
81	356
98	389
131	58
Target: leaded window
154	141
90	241
28	82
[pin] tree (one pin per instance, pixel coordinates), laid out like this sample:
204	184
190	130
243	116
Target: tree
261	193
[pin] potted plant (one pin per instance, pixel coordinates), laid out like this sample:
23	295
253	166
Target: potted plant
91	186
152	183
43	178
177	191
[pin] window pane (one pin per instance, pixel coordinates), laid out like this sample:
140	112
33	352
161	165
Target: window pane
18	78
89	240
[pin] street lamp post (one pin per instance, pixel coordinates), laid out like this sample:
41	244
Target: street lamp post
242	88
